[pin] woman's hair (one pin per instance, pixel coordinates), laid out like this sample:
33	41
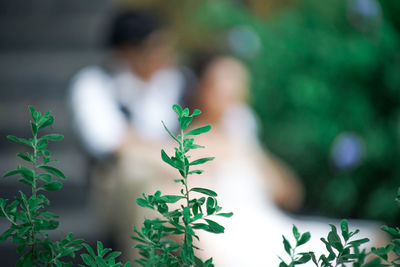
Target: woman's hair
202	61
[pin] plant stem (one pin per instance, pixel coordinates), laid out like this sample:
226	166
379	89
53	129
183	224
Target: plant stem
293	254
182	150
8	218
34	191
340	255
188	246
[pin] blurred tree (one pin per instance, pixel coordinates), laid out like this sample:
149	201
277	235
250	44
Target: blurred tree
326	86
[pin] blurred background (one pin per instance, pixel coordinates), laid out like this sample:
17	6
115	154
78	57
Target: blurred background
325	88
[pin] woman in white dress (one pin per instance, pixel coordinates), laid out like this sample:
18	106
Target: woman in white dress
250	182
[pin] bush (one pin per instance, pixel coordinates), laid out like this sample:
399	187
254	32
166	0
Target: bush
321	85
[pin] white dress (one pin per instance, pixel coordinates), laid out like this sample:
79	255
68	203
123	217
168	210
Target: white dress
253	235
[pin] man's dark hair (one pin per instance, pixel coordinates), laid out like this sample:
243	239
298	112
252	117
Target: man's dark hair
133	27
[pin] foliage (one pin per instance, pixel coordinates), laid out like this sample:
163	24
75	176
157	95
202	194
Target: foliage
28	215
344	249
156	246
29	220
319	93
104	257
317	75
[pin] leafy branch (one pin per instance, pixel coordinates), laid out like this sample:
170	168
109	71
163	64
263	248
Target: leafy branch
156	246
28	215
342	250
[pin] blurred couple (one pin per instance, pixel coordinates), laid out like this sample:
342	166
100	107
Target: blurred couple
117	108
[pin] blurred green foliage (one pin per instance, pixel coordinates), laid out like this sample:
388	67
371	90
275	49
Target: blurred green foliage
322	71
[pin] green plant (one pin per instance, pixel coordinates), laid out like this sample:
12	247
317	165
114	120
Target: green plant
307	94
28	215
155	244
343	250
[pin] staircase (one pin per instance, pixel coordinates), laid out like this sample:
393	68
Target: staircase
42	44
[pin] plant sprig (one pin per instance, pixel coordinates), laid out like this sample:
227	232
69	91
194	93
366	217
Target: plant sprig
155	244
342	250
28	215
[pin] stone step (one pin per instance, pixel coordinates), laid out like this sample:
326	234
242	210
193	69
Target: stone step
40	7
70	197
31	69
15	117
66	155
14	120
53	31
14	91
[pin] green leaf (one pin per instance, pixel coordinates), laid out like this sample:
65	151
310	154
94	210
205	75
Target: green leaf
112	255
201	226
185	122
144	203
89	249
53	137
171	198
19	140
200	130
334	239
169	132
205	191
169	161
2	205
46	225
12	207
201	161
46	153
345	229
46	123
358	242
100	248
304	238
6	234
53	186
303	259
186	214
24	181
375	263
45	177
177	109
42	144
210	205
215	227
25	172
88	260
48	215
196	112
34	114
185	112
24	157
296	233
34	128
286	245
391	231
196	172
227	215
54	171
13	172
21	248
